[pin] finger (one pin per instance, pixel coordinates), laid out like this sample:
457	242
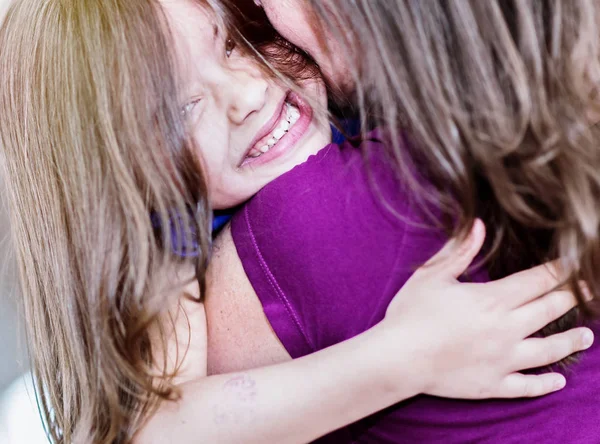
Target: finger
525	286
540	352
537	314
517	385
454	258
583	287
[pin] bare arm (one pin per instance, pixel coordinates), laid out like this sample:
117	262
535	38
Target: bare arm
294	402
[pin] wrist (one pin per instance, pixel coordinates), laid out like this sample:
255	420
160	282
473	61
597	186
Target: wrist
403	359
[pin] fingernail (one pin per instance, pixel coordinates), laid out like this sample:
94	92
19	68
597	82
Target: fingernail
587	339
560	383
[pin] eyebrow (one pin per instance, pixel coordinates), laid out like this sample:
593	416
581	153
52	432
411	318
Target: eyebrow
216	36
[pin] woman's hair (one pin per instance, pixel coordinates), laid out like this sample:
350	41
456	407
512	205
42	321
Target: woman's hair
97	163
500	99
107	198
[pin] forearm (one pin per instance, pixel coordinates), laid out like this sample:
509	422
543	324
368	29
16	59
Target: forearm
294	402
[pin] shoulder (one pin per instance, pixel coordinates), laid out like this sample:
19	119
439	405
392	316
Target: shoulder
323	239
341	192
356	188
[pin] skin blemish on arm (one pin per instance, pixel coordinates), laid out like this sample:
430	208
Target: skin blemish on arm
239	401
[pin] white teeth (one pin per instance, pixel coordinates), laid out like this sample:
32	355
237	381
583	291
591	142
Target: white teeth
285	125
292	116
293	113
278	134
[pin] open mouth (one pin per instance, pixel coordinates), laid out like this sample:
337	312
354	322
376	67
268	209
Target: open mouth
290	116
282	131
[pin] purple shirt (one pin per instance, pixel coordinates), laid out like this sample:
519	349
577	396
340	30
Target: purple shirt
327	246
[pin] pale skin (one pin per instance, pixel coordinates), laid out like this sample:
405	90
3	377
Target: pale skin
267	397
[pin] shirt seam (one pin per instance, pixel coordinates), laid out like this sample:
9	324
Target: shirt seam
274	284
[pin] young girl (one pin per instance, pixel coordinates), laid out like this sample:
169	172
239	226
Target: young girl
102	175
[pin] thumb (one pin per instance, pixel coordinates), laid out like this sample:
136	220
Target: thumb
454	258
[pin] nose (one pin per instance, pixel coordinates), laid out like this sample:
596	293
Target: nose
245	95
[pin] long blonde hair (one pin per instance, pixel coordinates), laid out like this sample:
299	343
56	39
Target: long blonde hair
501	100
107	198
102	186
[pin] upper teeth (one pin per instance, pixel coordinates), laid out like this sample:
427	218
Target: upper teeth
292	114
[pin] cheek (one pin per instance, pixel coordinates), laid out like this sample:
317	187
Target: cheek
289	18
211	147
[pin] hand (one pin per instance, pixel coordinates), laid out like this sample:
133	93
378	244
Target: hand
476	336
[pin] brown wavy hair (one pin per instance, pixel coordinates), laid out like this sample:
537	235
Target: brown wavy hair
500	99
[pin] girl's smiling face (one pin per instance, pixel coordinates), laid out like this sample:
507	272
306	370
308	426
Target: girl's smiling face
248	128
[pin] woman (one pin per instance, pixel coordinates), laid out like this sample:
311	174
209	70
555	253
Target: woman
501	128
99	162
504	128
